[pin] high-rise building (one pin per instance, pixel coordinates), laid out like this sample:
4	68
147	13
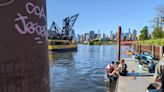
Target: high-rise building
81	38
122	36
95	35
129	31
107	37
91	34
86	37
78	37
85	34
99	35
73	34
115	36
111	35
134	35
129	37
104	36
126	36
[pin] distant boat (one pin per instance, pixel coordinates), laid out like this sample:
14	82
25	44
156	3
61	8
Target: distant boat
61	45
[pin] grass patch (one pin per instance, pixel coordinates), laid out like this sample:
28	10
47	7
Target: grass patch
156	42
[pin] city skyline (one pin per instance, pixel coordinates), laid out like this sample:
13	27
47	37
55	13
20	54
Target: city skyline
104	15
92	35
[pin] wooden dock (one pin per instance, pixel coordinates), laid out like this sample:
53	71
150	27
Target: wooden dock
139	84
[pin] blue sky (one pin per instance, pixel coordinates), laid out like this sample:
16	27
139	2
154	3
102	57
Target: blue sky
105	15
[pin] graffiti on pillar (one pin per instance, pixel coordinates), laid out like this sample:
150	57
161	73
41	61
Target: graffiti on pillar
29	27
23	63
6	2
45	80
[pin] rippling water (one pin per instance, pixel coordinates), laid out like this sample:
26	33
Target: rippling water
81	71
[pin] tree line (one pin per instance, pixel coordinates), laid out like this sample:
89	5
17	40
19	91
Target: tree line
157	32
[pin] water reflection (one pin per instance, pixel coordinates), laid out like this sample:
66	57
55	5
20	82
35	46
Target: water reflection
81	71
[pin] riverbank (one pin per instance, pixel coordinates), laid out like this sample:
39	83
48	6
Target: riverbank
139	84
156	42
100	43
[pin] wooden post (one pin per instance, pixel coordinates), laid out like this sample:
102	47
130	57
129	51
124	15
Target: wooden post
161	52
140	49
118	43
23	46
153	50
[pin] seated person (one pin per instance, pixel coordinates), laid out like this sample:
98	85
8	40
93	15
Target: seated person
110	68
141	62
147	66
153	87
162	81
122	69
159	69
157	87
117	64
137	57
151	67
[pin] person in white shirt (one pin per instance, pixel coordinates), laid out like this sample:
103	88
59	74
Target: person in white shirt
110	68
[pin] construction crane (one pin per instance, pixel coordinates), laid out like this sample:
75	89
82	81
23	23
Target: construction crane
64	33
68	24
55	31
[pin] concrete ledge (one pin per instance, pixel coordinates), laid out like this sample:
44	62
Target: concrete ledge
139	84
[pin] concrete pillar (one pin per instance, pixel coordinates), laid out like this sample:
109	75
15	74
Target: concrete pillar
23	46
118	43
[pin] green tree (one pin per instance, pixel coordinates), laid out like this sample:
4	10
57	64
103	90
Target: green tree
144	33
157	33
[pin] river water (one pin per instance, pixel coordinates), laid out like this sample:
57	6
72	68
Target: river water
83	70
